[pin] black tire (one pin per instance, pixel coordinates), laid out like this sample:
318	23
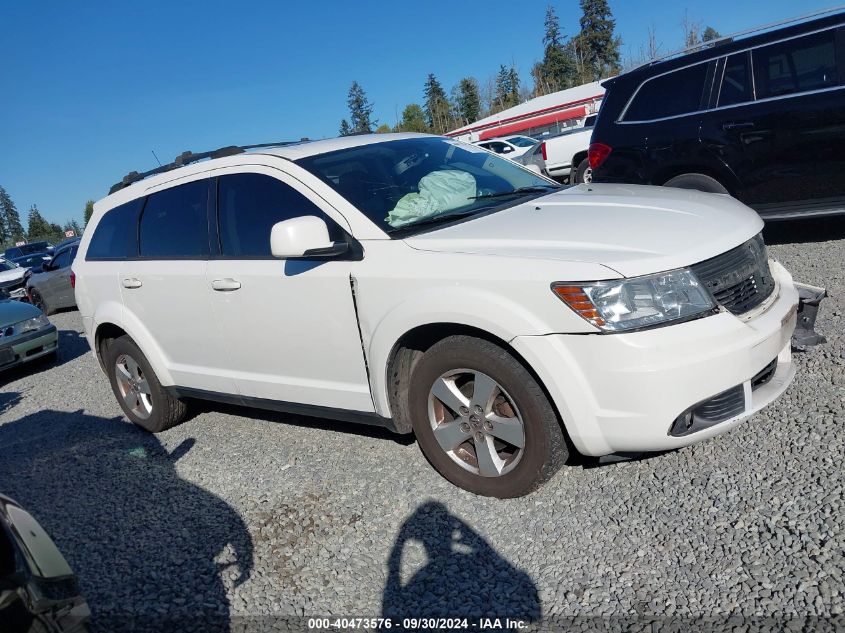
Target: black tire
38	301
545	447
699	182
166	411
582	172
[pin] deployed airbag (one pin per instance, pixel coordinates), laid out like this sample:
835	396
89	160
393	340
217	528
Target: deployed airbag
440	191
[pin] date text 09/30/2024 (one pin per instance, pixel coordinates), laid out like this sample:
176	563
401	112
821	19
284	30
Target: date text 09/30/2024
351	624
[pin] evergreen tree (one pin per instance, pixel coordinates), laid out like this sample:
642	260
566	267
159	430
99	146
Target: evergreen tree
503	89
557	69
413	119
72	225
345	130
600	47
468	100
436	105
37	226
10	218
710	34
89	209
360	110
513	87
384	128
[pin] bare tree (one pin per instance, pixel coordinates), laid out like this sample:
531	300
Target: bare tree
692	31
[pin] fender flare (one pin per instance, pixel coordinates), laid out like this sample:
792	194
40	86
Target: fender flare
114	313
458	306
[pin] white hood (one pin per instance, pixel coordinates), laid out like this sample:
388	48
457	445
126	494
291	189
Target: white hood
12	275
632	229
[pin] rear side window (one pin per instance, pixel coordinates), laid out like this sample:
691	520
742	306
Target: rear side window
248	207
675	93
174	223
736	81
116	233
63	259
797	65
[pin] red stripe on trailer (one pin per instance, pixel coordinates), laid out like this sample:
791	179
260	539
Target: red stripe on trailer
525	124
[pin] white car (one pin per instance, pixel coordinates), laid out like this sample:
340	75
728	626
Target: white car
12	278
429	286
565	155
509	146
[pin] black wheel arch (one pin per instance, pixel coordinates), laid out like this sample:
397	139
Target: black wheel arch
410	347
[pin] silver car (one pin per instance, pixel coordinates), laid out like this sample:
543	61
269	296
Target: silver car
51	289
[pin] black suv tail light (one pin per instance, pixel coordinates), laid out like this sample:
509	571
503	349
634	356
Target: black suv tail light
597	153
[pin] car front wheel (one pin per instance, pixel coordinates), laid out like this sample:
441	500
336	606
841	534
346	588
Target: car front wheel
482	420
137	389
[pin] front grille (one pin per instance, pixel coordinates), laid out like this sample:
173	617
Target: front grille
740	279
14	284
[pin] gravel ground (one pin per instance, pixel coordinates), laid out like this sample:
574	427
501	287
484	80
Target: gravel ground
244	513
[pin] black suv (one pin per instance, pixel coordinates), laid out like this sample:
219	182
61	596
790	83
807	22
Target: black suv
761	118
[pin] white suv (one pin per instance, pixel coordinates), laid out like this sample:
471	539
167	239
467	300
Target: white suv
432	287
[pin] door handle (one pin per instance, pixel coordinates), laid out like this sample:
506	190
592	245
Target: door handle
738	125
226	285
132	282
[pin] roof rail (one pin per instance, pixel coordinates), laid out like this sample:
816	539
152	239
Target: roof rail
729	38
188	157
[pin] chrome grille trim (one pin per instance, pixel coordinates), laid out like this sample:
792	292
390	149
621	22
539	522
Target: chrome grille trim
739	280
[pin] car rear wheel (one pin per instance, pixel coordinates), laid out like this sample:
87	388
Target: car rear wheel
482	420
38	301
584	172
137	389
700	182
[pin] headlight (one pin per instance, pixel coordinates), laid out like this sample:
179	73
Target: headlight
629	304
29	325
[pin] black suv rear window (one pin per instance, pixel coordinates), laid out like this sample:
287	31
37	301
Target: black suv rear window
677	92
797	65
115	235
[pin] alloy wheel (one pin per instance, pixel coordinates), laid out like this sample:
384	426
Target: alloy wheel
476	422
133	386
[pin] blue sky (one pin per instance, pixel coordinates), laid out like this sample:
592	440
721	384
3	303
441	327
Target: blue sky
90	88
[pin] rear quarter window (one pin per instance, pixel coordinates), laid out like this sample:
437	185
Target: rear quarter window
675	93
115	237
796	65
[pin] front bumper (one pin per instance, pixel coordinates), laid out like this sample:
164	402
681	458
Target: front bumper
623	392
29	346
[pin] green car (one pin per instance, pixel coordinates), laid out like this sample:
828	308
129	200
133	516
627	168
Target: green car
25	334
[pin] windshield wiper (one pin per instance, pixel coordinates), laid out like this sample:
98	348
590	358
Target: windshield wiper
517	191
435	219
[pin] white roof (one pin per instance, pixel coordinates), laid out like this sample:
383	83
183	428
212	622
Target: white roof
310	148
552	100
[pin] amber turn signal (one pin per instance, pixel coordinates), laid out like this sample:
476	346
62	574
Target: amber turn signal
579	302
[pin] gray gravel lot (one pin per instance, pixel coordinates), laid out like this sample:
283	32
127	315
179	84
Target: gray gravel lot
245	513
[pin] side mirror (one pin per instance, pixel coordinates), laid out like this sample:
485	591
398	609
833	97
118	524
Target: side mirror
306	236
507	149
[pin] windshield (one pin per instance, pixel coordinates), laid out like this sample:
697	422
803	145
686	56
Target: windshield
7	265
402	184
522	141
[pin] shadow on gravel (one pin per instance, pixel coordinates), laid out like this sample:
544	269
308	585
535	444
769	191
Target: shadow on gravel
148	547
463	576
199	407
804	230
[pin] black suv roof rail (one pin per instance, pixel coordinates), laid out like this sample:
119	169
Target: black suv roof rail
730	38
188	157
